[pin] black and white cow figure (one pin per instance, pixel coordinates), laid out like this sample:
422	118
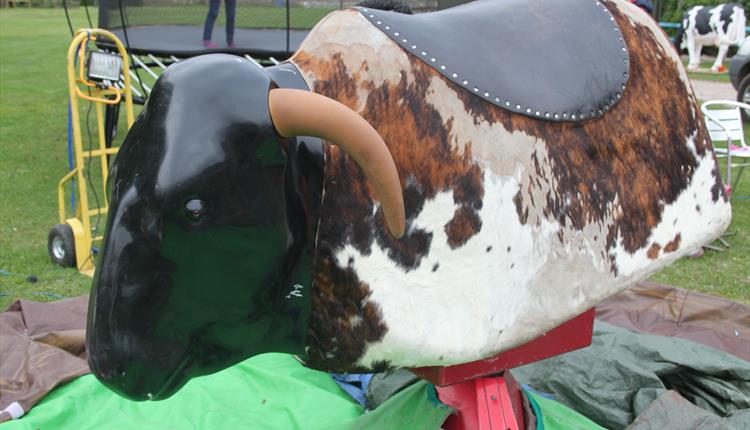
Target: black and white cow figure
722	26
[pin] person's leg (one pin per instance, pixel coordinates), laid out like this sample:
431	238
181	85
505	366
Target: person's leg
208	27
230	6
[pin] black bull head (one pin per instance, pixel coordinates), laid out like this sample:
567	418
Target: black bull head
211	226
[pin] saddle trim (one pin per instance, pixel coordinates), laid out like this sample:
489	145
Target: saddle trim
402	40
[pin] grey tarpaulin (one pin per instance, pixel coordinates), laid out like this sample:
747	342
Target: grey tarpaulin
383	386
672	411
623	372
41	346
676	312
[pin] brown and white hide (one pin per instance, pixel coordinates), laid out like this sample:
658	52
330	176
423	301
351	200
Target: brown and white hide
514	225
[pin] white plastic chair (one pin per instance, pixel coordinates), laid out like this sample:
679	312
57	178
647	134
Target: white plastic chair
725	125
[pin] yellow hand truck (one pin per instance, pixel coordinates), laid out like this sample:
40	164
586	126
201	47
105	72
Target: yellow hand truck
101	78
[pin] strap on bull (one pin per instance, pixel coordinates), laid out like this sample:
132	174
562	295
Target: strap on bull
484	393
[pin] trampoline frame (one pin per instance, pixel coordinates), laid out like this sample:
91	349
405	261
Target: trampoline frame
160	59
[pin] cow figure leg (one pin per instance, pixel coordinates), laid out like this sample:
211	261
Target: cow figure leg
718	65
694	52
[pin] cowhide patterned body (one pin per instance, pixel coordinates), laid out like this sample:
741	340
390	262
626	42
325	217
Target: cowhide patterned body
514	225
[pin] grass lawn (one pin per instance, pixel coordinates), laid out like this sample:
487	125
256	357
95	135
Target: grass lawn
708	75
33	157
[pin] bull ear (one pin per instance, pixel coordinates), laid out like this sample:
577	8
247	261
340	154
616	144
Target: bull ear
303	113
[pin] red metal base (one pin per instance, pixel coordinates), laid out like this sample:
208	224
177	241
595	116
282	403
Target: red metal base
485	395
492	403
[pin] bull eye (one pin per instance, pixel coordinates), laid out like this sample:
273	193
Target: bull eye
195	209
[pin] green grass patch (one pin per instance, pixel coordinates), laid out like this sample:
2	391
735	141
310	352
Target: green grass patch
33	158
33	154
707	75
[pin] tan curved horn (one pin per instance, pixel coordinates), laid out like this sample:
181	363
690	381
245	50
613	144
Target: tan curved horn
303	113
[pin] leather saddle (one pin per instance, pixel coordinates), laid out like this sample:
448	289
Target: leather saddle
556	60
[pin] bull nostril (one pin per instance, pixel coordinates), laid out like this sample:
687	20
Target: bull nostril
104	369
151	227
112	375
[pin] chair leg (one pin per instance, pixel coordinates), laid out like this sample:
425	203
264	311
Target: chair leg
722	244
713	248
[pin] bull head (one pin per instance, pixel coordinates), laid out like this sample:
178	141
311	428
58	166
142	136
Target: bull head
206	229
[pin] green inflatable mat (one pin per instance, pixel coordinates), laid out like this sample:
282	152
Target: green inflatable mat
551	415
270	391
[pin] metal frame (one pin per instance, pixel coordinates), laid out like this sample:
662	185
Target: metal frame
101	94
107	97
146	62
484	394
142	90
734	115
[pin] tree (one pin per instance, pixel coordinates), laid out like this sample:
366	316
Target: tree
672	10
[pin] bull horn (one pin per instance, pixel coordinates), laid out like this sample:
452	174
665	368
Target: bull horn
303	113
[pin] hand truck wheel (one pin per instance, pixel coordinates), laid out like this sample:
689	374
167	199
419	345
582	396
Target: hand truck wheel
61	245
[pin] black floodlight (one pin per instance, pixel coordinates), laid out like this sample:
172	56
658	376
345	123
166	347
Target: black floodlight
104	66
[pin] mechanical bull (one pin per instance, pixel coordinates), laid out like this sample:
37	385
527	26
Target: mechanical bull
536	157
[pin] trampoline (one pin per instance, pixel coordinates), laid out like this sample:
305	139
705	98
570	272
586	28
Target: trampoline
158	33
168	28
185	41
